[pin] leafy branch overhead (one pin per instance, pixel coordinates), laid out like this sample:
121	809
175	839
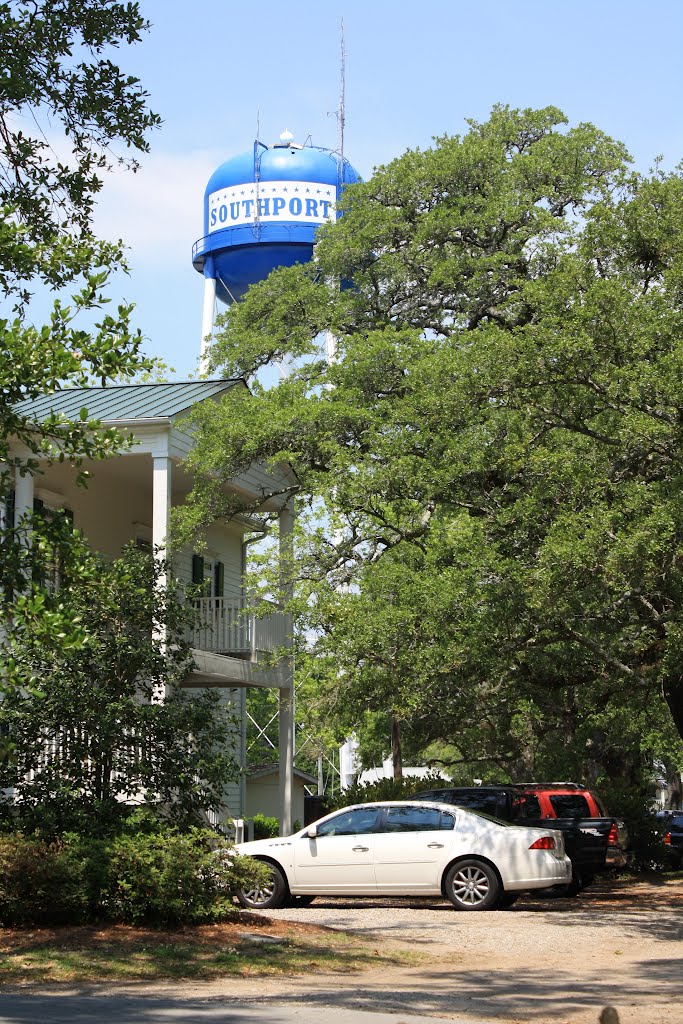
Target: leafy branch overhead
68	113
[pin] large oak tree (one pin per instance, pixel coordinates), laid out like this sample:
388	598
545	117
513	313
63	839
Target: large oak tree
493	459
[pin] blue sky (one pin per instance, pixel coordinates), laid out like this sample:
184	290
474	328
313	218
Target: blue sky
413	71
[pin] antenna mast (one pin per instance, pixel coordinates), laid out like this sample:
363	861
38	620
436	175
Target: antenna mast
341	114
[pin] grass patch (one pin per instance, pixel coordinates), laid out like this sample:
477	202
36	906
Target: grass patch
248	948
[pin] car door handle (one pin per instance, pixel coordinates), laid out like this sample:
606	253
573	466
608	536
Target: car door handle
360	849
435	846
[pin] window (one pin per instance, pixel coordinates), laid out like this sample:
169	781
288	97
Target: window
485	801
209	574
570	805
411	819
350	823
526	806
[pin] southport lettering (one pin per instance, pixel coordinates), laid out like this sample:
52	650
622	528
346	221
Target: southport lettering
308	202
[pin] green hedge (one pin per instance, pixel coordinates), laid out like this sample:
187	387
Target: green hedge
162	878
41	883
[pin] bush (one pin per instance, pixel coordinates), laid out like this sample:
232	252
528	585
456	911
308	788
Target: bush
265	827
646	848
169	878
42	883
158	877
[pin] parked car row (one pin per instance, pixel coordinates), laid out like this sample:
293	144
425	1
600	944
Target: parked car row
593	839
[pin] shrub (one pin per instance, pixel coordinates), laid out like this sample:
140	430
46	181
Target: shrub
160	877
646	849
42	883
168	878
265	827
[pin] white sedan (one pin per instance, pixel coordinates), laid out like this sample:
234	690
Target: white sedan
409	848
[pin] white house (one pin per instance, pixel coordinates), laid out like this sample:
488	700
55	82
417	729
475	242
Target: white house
129	497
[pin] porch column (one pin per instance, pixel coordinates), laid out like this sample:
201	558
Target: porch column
286	693
161	514
161	504
23	499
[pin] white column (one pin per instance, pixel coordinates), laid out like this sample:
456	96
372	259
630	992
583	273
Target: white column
207	322
286	693
161	501
23	498
161	515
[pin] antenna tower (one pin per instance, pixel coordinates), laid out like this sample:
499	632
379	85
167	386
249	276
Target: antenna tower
341	113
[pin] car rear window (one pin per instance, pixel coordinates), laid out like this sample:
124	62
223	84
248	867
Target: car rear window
570	805
411	819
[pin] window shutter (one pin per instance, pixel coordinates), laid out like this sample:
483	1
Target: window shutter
219	579
197	570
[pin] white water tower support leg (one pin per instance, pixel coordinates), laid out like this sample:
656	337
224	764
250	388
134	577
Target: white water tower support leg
207	322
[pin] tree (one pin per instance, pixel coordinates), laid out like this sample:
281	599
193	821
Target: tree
65	107
90	732
499	432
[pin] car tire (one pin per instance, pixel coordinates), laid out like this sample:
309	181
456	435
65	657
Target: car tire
570	889
266	897
472	884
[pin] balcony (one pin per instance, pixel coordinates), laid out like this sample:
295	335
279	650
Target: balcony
224	626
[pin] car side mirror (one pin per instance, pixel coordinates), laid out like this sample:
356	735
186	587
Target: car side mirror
311	832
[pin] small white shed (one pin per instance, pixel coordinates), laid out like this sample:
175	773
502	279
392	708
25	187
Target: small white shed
262	791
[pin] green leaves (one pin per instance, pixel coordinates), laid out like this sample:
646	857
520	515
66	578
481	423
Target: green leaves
87	733
59	94
492	461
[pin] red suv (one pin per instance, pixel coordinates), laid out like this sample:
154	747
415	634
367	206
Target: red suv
570	800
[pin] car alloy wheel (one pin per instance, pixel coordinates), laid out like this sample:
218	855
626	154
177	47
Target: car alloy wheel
472	885
266	896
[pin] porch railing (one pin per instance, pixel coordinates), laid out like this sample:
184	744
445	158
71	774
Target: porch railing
225	627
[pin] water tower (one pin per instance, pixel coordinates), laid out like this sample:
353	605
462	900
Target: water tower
261	211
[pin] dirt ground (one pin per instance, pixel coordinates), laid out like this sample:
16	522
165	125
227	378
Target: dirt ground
619	943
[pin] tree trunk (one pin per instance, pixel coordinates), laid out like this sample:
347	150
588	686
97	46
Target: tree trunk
673	695
396	759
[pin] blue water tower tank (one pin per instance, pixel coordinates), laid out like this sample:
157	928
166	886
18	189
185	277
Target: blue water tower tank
262	210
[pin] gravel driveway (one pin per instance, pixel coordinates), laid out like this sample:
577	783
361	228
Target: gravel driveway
619	944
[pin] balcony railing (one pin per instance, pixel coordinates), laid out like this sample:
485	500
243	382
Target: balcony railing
225	627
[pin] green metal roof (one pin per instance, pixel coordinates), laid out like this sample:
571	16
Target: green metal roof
124	401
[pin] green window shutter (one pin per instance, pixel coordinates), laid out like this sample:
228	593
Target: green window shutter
197	570
219	579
